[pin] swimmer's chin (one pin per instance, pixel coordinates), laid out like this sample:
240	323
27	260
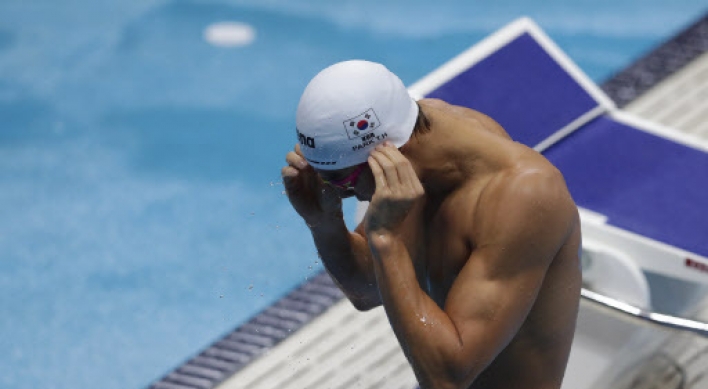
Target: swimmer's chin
357	195
361	197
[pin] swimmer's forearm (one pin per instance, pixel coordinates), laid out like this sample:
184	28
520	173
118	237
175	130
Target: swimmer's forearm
426	333
346	257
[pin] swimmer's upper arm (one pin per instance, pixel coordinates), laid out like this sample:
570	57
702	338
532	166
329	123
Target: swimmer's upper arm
522	229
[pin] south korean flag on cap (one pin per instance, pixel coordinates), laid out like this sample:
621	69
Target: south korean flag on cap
362	124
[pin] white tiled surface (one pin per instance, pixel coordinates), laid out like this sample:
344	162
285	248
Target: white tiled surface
680	101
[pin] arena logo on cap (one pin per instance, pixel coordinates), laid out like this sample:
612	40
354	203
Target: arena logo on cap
305	140
362	124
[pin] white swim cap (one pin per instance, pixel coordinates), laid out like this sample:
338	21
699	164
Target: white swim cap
348	109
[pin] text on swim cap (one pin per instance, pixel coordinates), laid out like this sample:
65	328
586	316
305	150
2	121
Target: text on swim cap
305	140
369	140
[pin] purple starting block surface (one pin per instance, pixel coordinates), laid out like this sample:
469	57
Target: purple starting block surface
642	182
522	86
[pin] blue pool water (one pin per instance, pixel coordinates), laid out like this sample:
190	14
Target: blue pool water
142	214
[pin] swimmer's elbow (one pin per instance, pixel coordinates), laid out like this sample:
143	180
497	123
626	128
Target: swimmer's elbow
363	296
445	381
450	370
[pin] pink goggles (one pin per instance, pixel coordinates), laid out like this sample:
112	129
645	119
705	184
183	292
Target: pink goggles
349	181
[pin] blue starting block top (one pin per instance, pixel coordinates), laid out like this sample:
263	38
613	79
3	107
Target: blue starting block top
519	77
535	85
642	182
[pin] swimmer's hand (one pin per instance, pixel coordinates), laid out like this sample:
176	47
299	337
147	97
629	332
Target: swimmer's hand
312	199
398	189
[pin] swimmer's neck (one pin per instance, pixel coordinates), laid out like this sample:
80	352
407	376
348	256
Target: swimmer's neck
444	159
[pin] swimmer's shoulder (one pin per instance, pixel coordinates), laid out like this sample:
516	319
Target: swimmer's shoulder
527	194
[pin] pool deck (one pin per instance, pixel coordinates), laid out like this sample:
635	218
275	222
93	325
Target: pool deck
668	86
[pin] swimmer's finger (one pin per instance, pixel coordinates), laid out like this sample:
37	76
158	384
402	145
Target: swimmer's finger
388	167
291	179
289	173
298	151
409	178
378	173
296	160
406	174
